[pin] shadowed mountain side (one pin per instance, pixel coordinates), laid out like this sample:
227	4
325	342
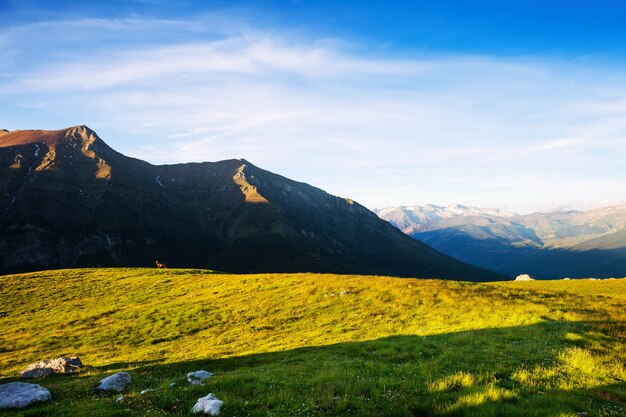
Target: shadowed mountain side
589	259
507	371
68	199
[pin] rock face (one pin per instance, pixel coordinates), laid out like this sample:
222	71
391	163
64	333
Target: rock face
57	366
21	394
198	377
524	277
209	405
116	382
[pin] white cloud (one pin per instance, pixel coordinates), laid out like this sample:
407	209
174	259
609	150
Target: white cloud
383	130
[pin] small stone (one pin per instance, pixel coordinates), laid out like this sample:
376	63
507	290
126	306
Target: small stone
172	385
197	377
146	391
208	405
116	382
21	394
119	399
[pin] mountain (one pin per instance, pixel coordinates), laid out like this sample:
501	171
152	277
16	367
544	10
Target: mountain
68	199
546	245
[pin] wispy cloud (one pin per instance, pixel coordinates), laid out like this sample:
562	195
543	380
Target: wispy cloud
381	129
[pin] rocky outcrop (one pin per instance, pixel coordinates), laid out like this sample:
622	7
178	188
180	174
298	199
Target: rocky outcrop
57	366
21	394
209	405
116	382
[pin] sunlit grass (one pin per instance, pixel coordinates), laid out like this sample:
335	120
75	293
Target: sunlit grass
312	344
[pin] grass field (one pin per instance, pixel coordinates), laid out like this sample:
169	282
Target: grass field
318	345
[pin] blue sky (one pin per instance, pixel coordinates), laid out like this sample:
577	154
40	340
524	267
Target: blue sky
516	105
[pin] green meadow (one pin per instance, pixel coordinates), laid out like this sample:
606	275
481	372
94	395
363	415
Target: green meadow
318	344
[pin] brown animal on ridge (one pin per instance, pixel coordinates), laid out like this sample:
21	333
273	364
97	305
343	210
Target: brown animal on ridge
160	265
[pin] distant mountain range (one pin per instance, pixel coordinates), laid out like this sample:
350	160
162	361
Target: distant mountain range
546	245
68	199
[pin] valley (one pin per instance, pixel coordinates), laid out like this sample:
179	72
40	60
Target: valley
573	244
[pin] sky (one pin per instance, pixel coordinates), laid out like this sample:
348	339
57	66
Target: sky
516	105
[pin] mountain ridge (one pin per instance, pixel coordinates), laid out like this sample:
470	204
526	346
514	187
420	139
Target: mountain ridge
68	199
556	244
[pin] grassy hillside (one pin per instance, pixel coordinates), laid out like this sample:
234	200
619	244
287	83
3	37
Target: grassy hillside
310	344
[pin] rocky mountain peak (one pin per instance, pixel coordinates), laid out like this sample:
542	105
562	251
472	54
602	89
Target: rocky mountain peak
76	135
45	150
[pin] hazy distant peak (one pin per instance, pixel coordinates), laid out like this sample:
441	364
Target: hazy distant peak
432	211
550	245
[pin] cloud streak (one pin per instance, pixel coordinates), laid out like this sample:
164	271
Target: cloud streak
321	110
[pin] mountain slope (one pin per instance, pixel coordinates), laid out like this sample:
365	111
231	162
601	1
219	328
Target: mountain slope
68	199
546	245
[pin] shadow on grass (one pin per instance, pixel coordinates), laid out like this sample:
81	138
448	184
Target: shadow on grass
514	371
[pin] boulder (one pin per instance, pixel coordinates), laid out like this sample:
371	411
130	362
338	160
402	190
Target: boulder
56	366
21	394
524	277
197	377
116	382
208	405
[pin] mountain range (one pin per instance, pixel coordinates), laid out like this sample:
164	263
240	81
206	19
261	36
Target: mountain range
558	244
69	200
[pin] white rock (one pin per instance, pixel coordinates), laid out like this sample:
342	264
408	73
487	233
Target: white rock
198	377
116	382
119	399
208	405
524	277
21	394
146	391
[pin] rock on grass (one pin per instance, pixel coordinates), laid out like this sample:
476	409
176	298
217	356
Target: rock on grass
56	366
116	382
209	405
198	377
21	394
